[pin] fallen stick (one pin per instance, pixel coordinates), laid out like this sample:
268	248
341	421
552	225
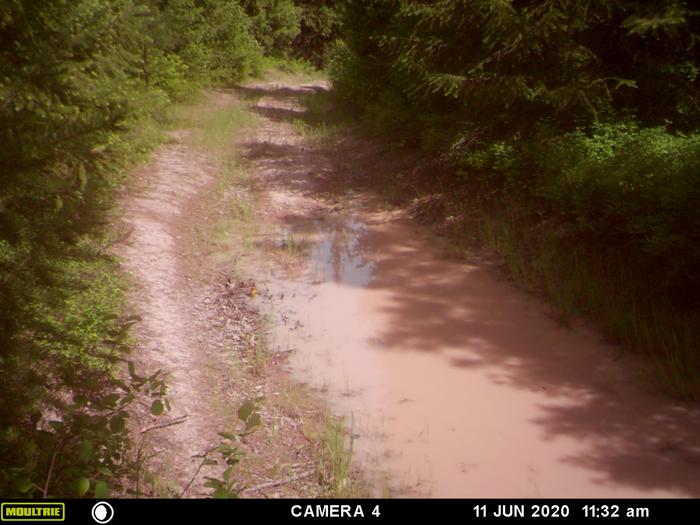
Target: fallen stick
204	457
176	421
278	482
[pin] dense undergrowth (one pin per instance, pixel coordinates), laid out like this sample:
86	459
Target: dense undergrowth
572	132
85	91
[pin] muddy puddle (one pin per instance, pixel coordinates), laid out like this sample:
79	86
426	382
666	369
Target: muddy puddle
453	381
457	384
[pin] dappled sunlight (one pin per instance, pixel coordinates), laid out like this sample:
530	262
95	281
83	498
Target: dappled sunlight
454	378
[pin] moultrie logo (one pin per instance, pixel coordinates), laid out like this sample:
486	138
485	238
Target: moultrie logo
30	511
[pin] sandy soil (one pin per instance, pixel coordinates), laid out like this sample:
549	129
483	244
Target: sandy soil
166	338
197	327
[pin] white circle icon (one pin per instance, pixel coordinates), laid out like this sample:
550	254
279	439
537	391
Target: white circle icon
102	512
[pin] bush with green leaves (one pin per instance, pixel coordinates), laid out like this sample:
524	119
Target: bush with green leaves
631	186
232	51
80	83
275	24
230	453
319	27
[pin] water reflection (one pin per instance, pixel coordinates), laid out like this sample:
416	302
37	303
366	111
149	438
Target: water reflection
337	255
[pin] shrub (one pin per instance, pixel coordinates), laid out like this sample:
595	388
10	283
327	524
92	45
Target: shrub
635	186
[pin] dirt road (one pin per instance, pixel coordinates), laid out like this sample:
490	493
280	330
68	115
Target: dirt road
454	382
198	327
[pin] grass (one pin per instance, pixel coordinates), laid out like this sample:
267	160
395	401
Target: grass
333	446
291	246
215	126
214	130
334	457
317	131
323	118
278	69
577	281
259	357
160	485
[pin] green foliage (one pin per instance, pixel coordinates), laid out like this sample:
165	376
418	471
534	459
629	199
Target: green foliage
188	42
65	406
320	23
233	53
584	113
507	65
300	29
80	82
276	23
521	89
230	453
628	185
64	99
619	185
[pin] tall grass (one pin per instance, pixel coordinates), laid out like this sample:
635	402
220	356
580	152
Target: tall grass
335	459
601	287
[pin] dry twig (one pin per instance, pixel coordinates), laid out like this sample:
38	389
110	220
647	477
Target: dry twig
277	483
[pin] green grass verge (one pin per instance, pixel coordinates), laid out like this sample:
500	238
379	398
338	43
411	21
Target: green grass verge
603	286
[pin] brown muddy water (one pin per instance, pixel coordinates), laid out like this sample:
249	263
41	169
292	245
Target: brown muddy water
454	382
457	384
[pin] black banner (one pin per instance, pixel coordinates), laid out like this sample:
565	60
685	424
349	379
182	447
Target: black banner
200	512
